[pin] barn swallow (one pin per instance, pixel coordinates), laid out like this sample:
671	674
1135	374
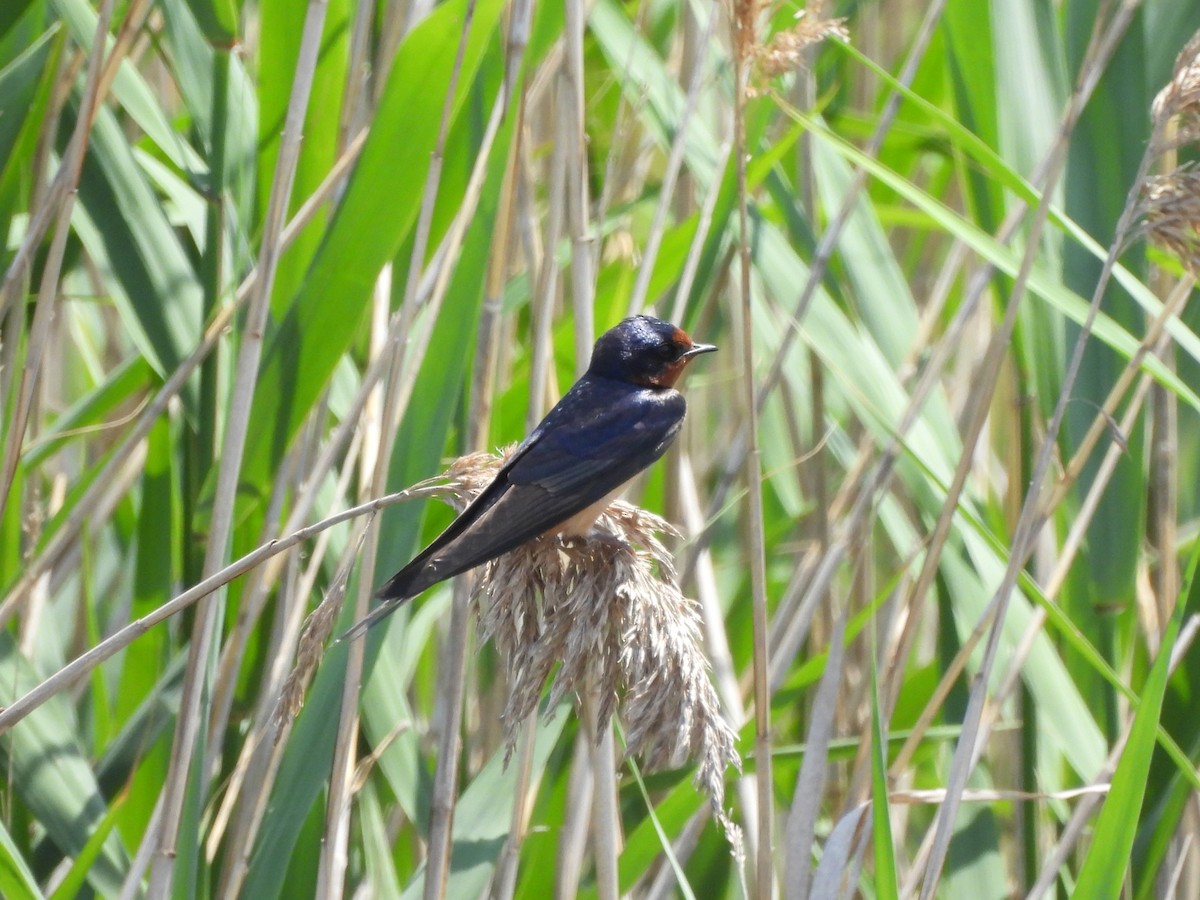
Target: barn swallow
615	421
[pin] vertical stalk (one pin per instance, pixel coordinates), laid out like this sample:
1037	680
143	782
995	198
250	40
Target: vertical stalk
695	57
483	385
398	389
1163	501
195	686
542	362
200	450
445	782
606	824
58	204
571	130
505	880
764	878
572	835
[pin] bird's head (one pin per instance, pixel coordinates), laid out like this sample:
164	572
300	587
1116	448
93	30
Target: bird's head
645	350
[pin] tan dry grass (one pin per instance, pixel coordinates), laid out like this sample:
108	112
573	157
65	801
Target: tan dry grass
604	611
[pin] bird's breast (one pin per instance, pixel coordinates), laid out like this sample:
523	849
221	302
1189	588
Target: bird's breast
581	523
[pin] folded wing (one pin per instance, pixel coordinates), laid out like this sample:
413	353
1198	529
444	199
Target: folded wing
583	450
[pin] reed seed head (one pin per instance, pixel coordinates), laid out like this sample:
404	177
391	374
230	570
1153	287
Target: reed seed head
1170	213
1176	109
604	613
785	52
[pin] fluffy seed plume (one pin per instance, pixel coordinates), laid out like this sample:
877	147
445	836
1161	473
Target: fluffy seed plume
1176	109
785	51
605	612
1170	206
1170	213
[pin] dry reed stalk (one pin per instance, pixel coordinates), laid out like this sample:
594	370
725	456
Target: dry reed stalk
800	829
691	265
58	204
667	194
84	511
606	818
571	131
666	883
82	665
744	39
377	437
716	640
395	400
1082	814
132	888
504	880
357	99
451	689
487	348
735	459
800	825
716	643
1028	524
205	633
572	839
546	291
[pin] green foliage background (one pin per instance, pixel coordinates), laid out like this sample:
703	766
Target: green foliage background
458	231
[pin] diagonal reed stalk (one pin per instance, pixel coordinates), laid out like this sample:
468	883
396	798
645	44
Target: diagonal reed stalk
88	506
1031	511
603	206
86	662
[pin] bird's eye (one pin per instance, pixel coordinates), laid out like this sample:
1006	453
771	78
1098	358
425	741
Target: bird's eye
666	352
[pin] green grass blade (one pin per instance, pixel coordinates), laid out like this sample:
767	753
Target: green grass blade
152	279
1103	872
50	773
376	214
16	880
887	882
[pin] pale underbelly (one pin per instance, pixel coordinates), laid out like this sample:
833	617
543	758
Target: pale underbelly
581	523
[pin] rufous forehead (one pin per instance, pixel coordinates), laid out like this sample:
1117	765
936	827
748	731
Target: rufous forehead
680	337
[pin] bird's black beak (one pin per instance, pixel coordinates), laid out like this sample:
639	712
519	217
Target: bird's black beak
697	349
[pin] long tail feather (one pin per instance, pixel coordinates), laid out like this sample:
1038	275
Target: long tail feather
374	617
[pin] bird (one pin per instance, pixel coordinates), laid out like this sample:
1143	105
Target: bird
616	420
